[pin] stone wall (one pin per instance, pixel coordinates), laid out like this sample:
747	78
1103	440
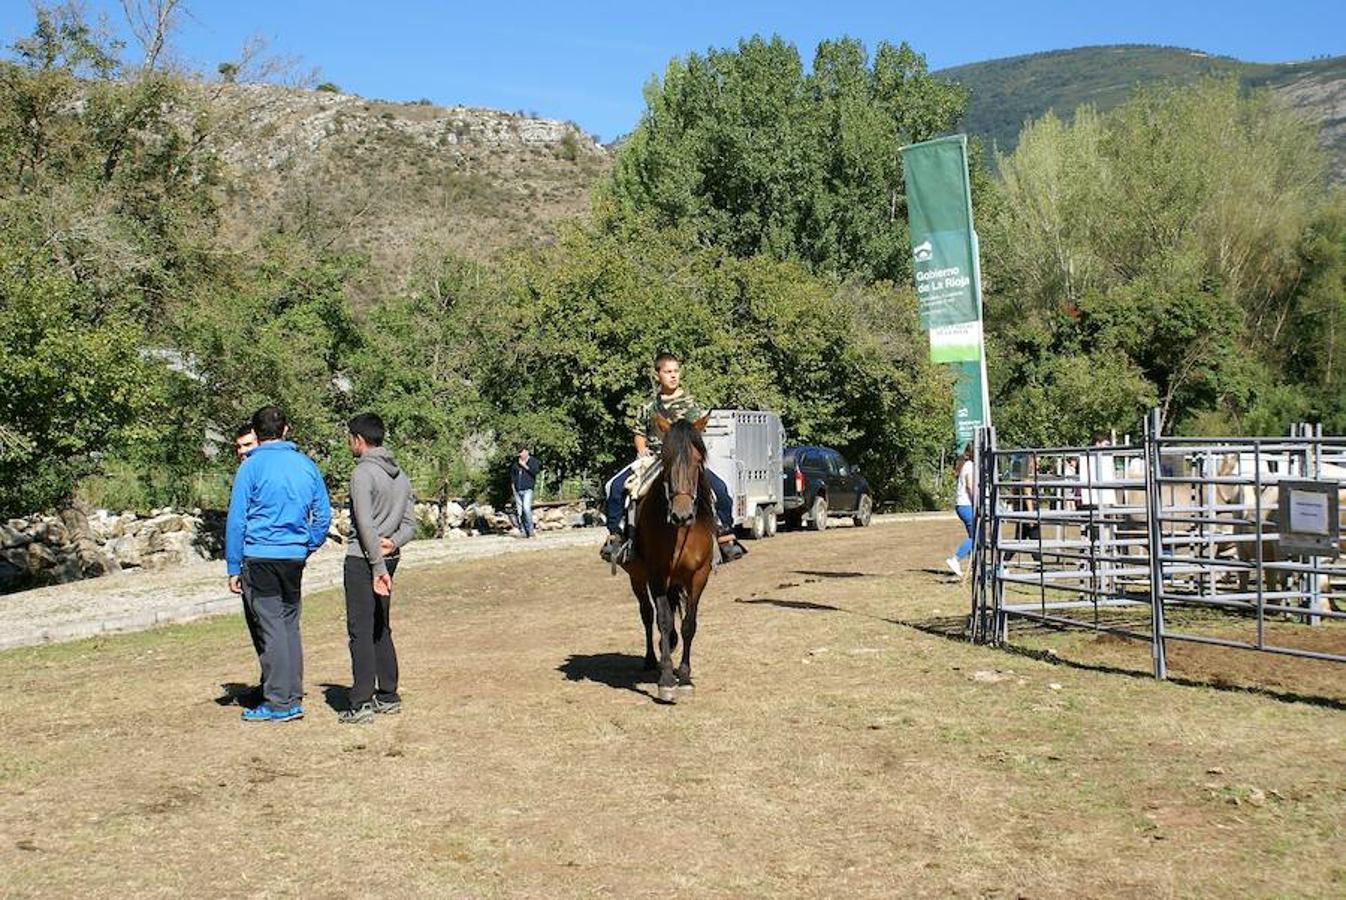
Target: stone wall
80	542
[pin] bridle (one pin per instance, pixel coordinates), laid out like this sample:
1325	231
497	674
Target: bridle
670	494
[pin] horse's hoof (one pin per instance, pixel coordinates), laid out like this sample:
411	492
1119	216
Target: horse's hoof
686	687
668	694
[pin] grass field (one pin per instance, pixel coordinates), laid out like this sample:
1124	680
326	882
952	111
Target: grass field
831	748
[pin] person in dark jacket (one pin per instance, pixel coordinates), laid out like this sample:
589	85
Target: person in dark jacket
279	513
383	520
522	479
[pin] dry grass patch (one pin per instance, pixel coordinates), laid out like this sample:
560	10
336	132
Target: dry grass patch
828	750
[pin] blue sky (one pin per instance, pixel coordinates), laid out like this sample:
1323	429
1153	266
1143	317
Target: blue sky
587	61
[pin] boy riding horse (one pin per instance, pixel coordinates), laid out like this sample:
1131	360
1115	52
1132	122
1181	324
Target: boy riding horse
673	403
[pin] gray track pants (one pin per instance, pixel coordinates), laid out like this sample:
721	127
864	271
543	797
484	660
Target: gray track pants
271	592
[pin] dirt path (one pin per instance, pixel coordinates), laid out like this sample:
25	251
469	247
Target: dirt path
829	750
135	601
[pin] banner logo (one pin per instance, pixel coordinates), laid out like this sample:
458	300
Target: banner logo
923	251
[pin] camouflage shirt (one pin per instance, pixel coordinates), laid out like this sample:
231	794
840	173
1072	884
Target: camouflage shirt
678	405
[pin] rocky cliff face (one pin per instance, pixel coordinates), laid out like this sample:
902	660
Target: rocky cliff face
284	129
1322	99
397	183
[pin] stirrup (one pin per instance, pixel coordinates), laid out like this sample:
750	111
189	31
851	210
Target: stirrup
617	553
732	549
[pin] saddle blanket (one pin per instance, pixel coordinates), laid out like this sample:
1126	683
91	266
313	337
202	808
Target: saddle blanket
644	471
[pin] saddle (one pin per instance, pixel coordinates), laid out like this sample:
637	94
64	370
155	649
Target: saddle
645	472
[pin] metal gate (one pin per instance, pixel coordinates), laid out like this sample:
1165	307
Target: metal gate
1164	539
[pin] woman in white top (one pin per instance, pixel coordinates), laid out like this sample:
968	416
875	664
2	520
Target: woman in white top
966	480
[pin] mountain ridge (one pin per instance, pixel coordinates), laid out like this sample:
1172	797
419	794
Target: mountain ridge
1007	92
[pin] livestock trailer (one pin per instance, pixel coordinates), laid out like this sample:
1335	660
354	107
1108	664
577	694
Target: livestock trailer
744	448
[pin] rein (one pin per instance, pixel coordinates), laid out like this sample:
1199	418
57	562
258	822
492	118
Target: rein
669	494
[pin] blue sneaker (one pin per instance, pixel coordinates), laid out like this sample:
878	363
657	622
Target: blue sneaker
266	713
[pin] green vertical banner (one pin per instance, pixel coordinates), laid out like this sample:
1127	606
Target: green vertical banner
947	270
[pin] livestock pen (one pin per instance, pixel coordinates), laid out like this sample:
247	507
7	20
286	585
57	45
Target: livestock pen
1226	542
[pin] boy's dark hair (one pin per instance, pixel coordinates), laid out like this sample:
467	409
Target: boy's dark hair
244	429
269	423
665	357
368	426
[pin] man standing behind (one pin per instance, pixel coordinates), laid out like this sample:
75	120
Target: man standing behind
244	442
383	519
522	478
278	514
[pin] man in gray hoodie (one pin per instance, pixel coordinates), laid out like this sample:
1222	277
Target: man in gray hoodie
383	520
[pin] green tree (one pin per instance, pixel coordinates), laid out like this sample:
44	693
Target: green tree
843	362
421	366
71	390
105	170
1167	243
756	155
283	333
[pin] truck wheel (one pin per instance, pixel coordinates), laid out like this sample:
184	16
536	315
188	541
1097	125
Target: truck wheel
770	520
757	528
818	515
865	512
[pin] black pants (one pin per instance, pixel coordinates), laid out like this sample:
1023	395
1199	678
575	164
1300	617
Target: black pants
271	597
373	656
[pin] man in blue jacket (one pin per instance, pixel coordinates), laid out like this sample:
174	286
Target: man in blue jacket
278	514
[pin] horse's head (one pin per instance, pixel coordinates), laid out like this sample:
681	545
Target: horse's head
684	456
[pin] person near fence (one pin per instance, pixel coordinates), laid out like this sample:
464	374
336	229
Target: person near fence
382	521
279	514
1024	499
522	479
965	492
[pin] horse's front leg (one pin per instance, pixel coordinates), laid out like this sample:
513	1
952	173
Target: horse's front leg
691	602
663	611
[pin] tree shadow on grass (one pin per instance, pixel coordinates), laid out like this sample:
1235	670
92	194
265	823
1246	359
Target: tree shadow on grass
955	628
624	671
789	604
948	576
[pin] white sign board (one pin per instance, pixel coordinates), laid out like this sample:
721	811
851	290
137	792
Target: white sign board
1308	512
1310	525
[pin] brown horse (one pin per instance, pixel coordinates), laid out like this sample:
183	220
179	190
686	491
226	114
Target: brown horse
675	542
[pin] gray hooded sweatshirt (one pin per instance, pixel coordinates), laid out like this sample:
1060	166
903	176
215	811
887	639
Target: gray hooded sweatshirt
381	506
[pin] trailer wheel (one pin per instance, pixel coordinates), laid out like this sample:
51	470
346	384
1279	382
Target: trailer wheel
770	520
757	528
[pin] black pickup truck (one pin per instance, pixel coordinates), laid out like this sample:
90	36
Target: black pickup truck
818	483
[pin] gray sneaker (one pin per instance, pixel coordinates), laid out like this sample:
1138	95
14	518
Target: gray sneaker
387	707
360	715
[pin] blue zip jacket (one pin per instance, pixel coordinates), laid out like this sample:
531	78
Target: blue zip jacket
278	508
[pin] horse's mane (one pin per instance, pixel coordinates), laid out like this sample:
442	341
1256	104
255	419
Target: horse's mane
679	442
